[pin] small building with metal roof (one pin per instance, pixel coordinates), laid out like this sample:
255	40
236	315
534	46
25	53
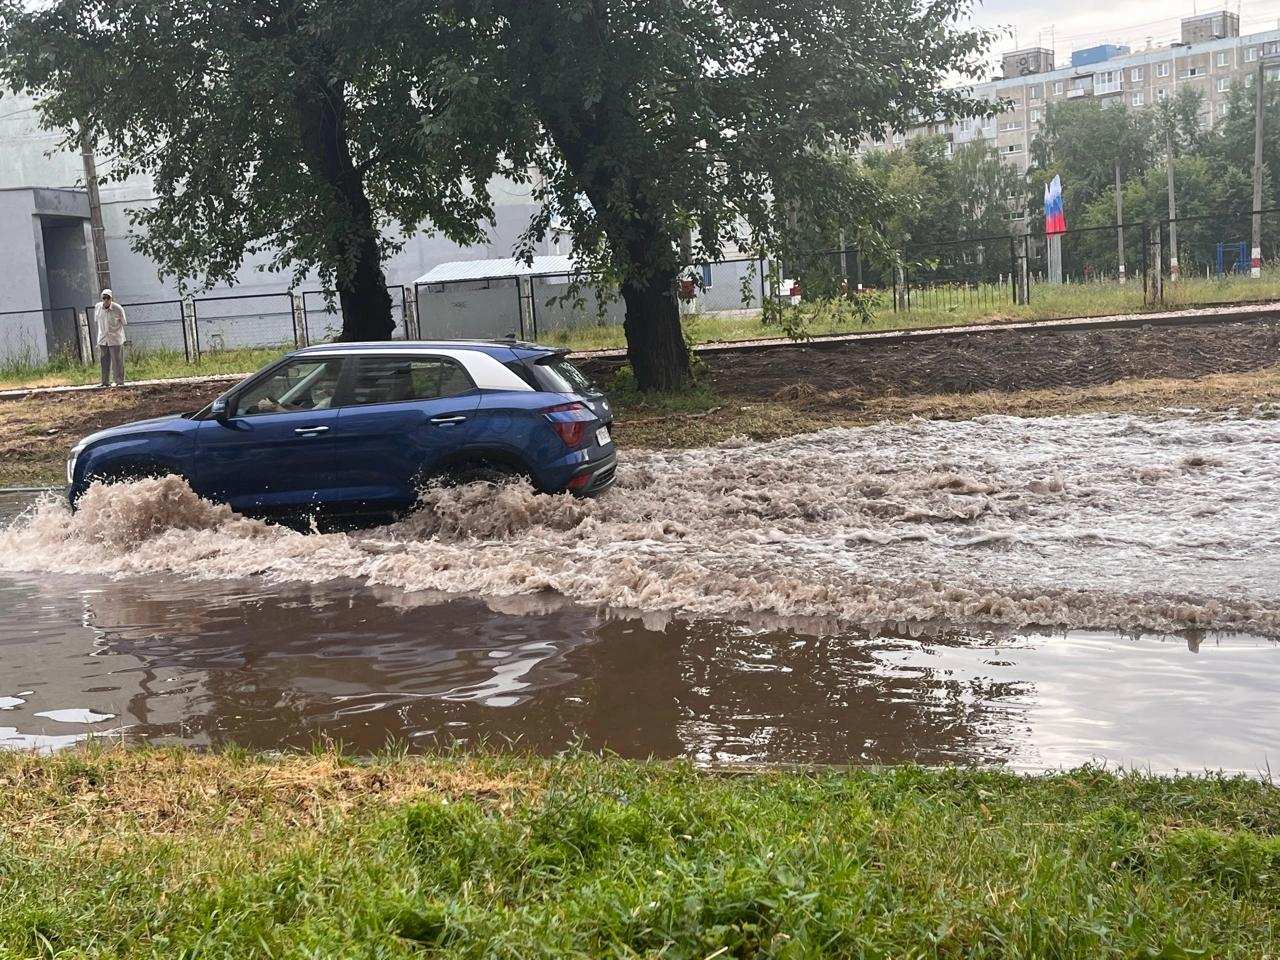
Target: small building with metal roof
509	297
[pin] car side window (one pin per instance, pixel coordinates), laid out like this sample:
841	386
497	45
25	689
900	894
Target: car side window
396	379
297	386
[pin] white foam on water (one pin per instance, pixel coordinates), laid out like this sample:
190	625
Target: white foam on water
75	715
1110	521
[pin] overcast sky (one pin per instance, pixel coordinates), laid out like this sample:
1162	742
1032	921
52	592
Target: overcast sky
1067	25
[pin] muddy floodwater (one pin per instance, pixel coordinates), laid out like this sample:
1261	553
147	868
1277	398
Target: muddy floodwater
209	664
1037	593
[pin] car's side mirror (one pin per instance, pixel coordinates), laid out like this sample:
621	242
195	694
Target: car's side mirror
218	410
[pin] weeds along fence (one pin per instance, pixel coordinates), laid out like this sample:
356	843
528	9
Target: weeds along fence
1214	258
38	336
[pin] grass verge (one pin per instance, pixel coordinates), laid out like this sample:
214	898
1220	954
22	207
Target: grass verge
146	853
139	365
931	306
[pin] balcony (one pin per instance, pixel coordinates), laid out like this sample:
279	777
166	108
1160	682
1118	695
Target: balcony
1080	92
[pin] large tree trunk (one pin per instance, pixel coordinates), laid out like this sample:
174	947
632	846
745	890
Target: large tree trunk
655	344
366	302
353	232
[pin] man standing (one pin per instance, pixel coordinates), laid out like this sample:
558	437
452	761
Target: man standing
108	317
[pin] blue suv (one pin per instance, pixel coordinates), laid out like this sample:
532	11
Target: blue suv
359	427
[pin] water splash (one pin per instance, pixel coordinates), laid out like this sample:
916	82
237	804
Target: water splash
1108	521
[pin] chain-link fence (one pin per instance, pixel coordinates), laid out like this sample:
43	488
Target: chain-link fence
31	337
1215	258
153	326
243	321
322	315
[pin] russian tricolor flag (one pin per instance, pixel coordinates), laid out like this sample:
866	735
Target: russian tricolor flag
1055	221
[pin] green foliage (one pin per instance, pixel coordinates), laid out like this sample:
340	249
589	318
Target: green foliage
296	129
676	114
812	318
677	130
1082	141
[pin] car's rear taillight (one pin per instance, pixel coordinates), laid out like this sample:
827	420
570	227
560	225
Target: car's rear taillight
570	421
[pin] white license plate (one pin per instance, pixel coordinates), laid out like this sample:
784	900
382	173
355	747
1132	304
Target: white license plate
602	436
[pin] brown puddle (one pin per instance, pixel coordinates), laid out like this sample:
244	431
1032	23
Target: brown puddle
211	663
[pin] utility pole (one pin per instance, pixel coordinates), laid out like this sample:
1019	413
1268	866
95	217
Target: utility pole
101	262
1173	208
844	266
1119	222
1255	255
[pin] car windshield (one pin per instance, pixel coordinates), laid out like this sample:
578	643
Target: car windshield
563	377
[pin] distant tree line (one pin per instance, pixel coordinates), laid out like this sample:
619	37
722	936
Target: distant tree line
938	197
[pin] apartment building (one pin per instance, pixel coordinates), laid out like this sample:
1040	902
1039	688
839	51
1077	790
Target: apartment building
1210	58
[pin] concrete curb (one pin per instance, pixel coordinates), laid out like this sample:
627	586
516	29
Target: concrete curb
1232	313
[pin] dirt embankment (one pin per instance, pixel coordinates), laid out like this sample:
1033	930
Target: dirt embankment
1003	360
37	431
779	390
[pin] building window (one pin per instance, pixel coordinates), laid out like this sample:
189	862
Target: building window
1190	72
1162	69
1273	73
1057	86
966	126
1271	48
1162	93
1010	148
1136	99
1135	74
1036	91
1223	58
1224	84
1011	125
1035	116
1251	54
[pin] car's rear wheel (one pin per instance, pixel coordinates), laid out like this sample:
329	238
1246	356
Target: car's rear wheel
494	473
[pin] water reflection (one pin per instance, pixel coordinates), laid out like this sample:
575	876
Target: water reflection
211	663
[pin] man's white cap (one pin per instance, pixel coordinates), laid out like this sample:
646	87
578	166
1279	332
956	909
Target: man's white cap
108	293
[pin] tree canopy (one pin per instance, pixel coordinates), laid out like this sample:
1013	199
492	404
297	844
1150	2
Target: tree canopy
718	124
315	131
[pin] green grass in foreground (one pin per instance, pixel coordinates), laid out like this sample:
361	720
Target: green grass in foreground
172	854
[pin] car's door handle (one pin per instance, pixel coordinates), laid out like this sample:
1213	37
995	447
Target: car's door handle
446	421
310	431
